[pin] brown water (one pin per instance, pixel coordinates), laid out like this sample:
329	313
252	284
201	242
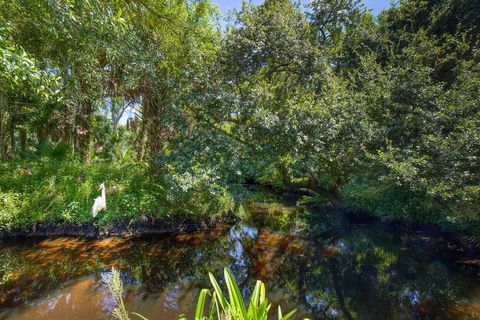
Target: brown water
327	265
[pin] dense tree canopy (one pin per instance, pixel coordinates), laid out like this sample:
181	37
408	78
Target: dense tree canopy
379	113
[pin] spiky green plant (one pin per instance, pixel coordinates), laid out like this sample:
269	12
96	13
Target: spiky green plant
220	308
234	307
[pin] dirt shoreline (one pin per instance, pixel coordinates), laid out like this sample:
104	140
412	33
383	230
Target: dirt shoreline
91	230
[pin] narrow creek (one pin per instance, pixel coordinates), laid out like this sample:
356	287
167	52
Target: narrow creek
326	264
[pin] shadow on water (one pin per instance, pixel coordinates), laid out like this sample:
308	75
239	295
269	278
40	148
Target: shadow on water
324	263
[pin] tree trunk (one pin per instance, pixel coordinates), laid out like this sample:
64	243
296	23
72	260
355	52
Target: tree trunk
83	128
153	111
337	286
155	141
41	135
23	139
332	194
284	175
4	129
140	140
12	140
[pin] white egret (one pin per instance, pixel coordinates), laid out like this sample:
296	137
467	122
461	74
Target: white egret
100	203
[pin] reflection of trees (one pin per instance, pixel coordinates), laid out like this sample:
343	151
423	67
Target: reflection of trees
29	271
163	264
338	288
346	272
374	277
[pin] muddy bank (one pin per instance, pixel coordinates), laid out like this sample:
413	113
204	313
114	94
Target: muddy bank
168	225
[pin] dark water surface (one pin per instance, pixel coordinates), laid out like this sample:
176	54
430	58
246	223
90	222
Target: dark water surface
327	265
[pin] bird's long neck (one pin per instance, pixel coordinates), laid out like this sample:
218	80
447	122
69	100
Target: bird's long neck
103	193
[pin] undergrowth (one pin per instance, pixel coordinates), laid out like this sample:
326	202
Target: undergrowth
57	192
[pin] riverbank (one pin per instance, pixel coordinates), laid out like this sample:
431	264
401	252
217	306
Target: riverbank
46	197
53	198
150	226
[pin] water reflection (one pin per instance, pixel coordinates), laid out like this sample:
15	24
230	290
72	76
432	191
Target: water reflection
240	238
337	269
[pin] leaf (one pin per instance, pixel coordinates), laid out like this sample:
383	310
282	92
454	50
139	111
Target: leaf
218	292
201	304
139	315
288	315
236	300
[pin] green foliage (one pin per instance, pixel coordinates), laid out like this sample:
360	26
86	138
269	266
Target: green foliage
392	202
418	153
54	151
382	113
234	307
220	307
20	72
46	191
195	196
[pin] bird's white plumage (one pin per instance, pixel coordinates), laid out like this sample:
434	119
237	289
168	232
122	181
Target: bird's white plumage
100	203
